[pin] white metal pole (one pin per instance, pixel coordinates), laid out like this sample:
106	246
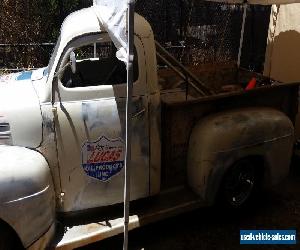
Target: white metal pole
95	46
242	34
130	57
95	50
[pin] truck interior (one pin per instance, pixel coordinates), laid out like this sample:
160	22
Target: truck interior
96	64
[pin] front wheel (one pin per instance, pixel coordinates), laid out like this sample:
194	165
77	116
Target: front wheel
240	184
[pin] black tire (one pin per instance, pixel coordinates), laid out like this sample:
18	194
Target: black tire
8	239
240	184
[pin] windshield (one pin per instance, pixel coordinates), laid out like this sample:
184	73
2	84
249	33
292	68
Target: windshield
53	56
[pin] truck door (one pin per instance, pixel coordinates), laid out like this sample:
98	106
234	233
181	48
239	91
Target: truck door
90	125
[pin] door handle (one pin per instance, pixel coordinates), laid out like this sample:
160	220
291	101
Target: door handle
139	113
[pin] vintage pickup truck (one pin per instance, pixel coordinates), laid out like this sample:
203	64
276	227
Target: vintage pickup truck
195	141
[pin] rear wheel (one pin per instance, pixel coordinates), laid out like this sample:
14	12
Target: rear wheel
240	184
8	239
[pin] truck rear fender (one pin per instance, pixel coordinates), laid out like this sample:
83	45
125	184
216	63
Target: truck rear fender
262	134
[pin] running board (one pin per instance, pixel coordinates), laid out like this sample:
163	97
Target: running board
165	205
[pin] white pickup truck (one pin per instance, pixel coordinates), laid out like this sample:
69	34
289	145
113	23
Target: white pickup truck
62	138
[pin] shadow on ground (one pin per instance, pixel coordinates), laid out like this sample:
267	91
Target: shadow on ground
213	228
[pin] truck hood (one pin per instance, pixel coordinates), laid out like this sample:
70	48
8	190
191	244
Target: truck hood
33	75
20	114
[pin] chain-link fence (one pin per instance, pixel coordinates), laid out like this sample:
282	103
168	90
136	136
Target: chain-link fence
196	32
29	28
205	32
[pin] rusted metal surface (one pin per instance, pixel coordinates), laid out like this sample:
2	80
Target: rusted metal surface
155	143
213	75
49	150
44	240
179	117
183	71
221	139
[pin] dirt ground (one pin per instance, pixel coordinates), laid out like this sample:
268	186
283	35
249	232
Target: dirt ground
212	228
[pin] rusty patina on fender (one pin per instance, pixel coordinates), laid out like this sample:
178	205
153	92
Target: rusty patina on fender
221	139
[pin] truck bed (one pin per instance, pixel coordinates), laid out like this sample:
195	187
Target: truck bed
182	108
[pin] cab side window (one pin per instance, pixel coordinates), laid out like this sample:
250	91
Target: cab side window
97	64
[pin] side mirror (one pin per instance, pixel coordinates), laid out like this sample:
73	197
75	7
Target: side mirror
73	62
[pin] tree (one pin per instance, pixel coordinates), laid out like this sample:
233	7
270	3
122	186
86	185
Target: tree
31	22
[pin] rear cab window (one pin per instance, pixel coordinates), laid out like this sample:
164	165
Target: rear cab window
97	64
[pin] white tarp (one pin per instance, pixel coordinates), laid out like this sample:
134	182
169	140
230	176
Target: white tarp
112	14
260	2
283	45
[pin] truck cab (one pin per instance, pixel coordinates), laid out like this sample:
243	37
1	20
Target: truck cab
75	121
89	114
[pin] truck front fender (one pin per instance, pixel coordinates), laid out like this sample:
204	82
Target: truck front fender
27	201
219	140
